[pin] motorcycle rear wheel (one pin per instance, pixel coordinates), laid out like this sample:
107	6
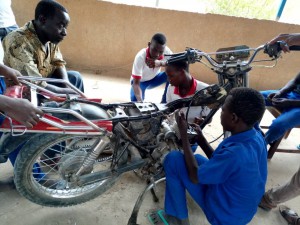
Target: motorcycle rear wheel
46	161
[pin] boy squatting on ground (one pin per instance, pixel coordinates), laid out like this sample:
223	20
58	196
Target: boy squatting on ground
146	67
230	183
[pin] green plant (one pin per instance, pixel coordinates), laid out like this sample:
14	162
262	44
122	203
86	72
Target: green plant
259	9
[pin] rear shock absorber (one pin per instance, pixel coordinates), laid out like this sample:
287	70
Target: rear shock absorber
90	159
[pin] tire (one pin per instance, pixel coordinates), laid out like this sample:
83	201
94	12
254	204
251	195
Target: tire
44	163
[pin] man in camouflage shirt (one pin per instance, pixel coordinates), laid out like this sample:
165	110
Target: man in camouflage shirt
33	49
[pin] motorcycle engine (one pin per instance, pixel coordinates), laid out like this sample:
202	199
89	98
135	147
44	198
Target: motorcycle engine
145	131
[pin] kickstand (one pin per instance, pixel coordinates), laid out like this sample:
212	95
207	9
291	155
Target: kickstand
133	218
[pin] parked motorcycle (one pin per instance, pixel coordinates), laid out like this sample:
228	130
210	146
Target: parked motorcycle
81	146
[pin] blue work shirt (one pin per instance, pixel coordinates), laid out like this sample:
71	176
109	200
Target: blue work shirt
234	179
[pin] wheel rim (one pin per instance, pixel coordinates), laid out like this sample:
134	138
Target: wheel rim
52	167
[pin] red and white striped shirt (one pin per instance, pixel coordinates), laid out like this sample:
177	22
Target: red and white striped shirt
140	70
195	111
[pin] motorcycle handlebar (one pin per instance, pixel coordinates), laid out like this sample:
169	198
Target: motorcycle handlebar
295	48
193	55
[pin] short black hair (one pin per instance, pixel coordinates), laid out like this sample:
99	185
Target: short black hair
181	64
160	38
248	104
48	8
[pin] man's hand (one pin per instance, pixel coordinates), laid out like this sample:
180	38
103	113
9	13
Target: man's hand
287	40
10	74
274	96
22	111
150	62
284	46
284	39
198	120
197	128
181	122
282	102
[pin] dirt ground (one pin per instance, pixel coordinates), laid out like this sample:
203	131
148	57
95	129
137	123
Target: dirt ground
115	206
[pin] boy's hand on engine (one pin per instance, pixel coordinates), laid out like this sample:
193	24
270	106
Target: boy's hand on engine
181	122
198	120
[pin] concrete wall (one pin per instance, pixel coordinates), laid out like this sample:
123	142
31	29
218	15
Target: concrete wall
104	37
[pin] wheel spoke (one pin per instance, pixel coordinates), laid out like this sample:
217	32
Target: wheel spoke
64	157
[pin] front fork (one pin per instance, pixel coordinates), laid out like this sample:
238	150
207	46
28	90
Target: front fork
237	80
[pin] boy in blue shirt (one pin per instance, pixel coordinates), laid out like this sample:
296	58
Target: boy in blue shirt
287	99
229	184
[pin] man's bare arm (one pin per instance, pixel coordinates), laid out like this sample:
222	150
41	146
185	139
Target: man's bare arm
137	89
60	73
190	161
290	39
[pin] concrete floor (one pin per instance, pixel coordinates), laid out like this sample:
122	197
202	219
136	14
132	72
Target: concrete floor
115	206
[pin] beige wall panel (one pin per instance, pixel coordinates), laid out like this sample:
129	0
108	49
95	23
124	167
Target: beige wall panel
105	37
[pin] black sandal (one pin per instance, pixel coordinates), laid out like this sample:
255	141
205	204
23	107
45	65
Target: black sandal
289	215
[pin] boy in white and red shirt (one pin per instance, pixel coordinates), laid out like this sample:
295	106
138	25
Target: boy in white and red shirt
146	72
183	85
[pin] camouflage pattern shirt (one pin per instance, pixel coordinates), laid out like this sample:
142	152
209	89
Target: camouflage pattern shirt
24	52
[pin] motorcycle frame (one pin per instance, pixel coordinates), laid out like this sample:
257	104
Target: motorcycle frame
51	124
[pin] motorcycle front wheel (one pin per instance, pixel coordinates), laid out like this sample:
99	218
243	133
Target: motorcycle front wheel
46	164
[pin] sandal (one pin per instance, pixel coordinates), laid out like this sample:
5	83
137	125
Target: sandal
289	215
156	217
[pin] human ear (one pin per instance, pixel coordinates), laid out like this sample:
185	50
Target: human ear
42	19
235	118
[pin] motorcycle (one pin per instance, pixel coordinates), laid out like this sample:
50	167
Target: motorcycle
81	146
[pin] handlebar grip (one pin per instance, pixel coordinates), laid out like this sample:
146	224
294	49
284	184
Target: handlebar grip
190	55
177	58
274	49
295	48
